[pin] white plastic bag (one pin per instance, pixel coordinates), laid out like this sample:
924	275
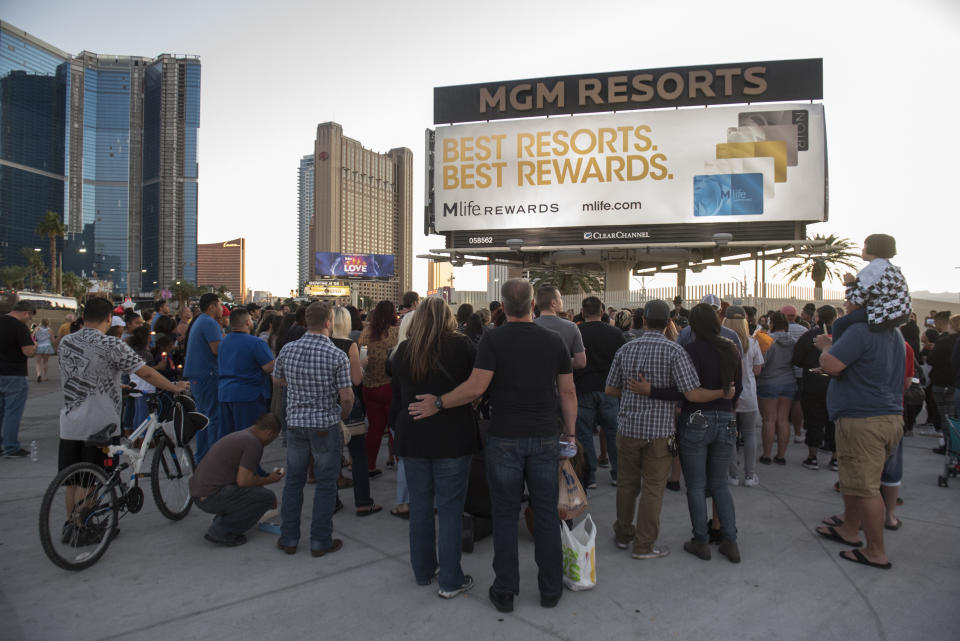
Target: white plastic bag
579	555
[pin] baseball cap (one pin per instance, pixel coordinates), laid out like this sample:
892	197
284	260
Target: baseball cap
735	312
656	310
789	311
712	300
116	321
226	310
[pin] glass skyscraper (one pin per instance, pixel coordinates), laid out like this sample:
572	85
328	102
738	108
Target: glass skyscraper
110	144
304	218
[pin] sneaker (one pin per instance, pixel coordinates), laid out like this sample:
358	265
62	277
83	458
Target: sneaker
779	460
613	482
390	464
673	486
227	543
765	460
751	481
21	453
374	473
733	480
623	544
592	485
834	466
937	450
713	533
502	601
603	462
449	594
811	463
655	553
799	438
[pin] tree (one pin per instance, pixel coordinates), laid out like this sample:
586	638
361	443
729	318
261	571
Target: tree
53	228
567	280
820	262
183	291
35	267
75	286
14	276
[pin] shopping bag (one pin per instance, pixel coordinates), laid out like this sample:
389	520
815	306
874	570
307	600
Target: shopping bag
579	554
573	500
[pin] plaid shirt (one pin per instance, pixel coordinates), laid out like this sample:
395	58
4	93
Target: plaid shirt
315	370
664	364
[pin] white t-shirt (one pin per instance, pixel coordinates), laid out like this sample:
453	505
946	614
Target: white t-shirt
748	397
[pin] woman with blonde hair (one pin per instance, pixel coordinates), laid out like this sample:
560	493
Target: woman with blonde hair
437	450
748	412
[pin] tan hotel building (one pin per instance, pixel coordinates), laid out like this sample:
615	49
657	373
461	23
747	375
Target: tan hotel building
363	204
223	264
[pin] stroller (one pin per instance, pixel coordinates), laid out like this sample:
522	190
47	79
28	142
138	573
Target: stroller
951	464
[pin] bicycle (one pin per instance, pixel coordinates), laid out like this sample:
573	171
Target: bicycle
83	504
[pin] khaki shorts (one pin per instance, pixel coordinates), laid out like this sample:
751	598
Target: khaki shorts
863	446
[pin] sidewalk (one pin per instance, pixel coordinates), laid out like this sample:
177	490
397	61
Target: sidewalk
161	581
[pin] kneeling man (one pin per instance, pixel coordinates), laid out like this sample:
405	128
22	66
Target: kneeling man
226	482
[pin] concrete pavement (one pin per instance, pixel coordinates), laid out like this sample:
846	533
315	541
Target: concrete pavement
160	580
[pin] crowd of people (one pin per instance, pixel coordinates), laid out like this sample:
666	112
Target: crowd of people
478	407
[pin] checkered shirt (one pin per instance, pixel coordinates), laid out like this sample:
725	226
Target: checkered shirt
664	364
315	370
884	293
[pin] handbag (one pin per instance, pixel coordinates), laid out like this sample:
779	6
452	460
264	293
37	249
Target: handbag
914	395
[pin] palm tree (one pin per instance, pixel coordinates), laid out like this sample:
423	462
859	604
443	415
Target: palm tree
14	276
35	267
826	258
567	280
53	228
75	286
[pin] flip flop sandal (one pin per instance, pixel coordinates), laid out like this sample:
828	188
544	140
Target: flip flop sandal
832	535
833	521
373	510
895	526
858	557
401	514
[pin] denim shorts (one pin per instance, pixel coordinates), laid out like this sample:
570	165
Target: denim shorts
785	390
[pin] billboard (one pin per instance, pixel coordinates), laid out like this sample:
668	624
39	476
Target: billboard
320	289
353	265
722	164
744	82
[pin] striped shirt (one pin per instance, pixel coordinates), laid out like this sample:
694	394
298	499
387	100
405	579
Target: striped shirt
315	370
664	364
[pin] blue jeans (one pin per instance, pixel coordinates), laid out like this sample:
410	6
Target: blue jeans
357	446
205	393
325	444
13	398
596	408
239	415
511	462
403	490
444	481
705	453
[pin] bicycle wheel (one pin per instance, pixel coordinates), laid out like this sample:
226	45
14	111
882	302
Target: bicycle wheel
170	473
77	516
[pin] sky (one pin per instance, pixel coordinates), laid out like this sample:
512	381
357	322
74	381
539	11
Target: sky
274	70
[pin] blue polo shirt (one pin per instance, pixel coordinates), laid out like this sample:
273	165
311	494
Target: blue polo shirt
872	383
241	358
199	361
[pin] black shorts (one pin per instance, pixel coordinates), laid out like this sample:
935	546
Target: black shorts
78	452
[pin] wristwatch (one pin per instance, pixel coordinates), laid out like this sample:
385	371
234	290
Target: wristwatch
438	403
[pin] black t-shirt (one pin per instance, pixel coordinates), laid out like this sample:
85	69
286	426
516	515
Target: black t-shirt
451	432
807	356
13	336
525	360
601	342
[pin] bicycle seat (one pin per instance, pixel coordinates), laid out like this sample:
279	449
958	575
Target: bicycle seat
104	437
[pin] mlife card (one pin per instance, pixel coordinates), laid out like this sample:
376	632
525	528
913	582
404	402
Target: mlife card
776	149
798	117
757	133
728	195
763	165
